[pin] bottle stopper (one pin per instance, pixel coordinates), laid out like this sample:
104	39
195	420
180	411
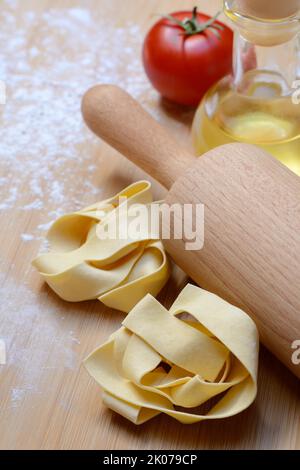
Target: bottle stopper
263	33
268	9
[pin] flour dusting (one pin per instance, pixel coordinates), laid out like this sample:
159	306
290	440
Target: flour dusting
52	58
27	237
29	331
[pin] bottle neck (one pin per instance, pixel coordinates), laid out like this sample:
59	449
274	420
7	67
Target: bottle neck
266	62
259	69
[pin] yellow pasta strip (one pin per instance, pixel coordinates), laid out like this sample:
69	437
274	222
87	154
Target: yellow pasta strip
164	332
118	271
157	362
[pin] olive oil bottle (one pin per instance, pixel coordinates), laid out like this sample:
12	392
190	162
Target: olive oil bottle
260	102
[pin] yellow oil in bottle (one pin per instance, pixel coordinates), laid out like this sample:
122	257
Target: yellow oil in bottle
255	105
272	123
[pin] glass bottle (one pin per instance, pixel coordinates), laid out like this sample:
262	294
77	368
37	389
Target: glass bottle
260	102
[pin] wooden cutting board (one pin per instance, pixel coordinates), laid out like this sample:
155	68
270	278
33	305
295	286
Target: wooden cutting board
51	164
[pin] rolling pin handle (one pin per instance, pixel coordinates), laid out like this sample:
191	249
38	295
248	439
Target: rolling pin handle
119	120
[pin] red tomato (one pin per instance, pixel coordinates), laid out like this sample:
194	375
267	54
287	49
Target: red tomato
181	66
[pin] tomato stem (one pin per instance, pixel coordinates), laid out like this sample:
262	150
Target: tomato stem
192	26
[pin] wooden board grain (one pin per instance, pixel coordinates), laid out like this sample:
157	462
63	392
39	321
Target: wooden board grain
51	164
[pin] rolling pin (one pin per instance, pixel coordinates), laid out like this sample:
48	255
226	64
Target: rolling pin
251	252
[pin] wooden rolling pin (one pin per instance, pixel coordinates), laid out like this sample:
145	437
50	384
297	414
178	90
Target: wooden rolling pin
251	253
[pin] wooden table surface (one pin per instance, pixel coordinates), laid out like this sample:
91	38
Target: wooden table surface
51	52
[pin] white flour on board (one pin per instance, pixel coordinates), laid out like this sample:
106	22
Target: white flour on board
47	61
52	58
23	318
27	237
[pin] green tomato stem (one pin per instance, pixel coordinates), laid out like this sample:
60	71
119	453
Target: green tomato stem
192	26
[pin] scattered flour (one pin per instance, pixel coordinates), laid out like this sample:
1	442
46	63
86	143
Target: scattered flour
47	64
26	237
17	396
29	336
51	60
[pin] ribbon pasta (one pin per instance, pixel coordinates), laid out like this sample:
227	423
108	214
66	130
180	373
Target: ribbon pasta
118	271
159	362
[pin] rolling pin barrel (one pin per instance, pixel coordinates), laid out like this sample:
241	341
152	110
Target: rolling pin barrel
251	252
